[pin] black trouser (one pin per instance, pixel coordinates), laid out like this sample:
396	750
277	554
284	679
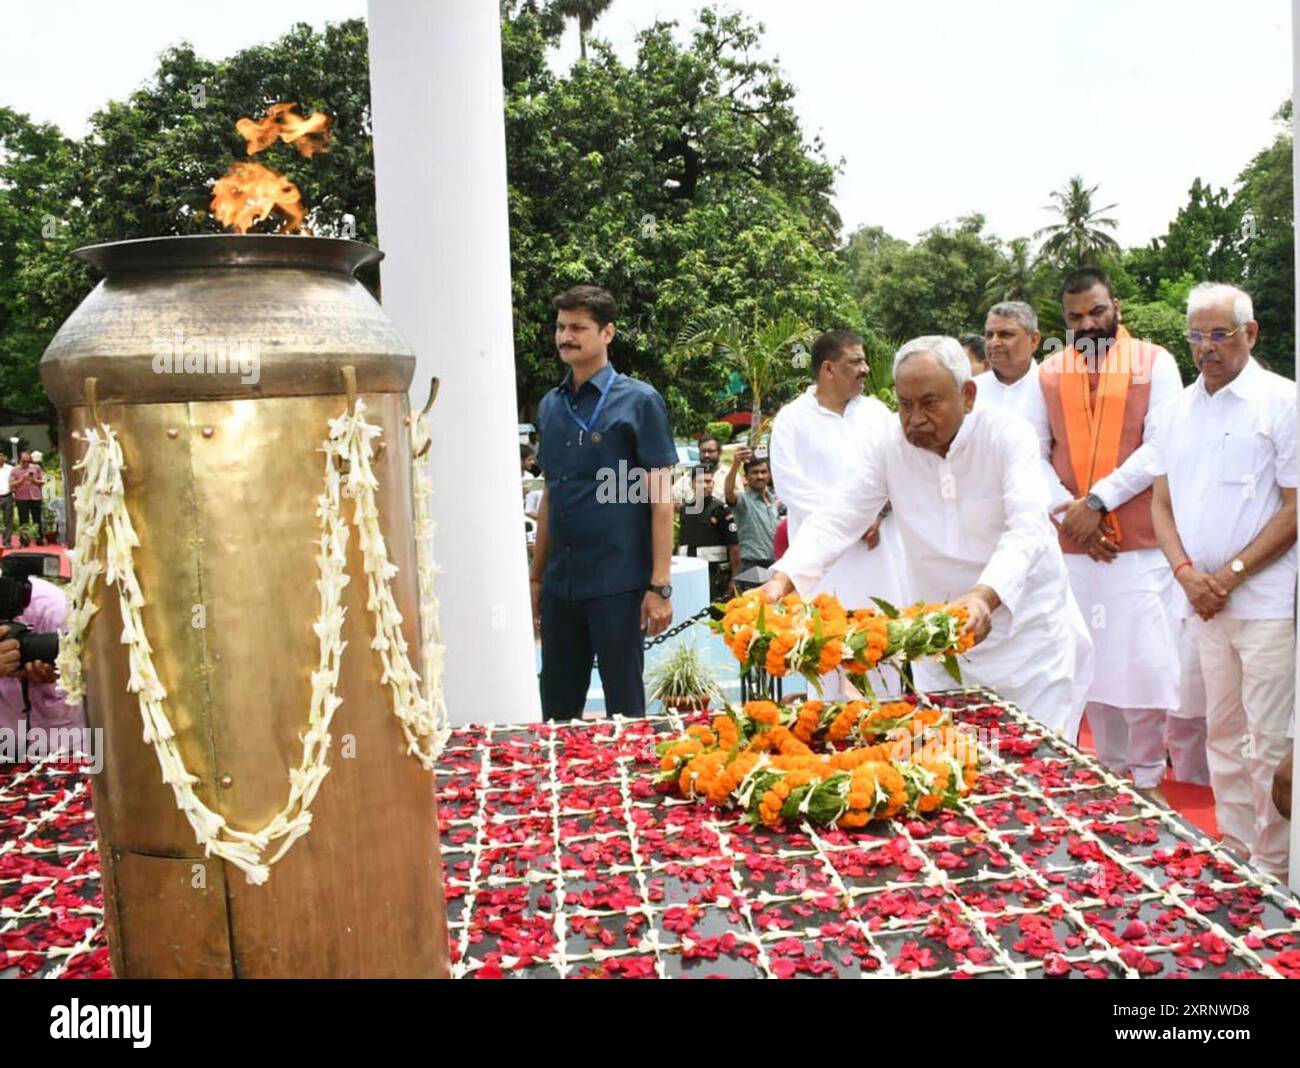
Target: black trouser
29	512
7	515
747	563
607	629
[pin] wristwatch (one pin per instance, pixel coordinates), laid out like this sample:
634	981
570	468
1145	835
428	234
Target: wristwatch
1238	567
665	591
1096	504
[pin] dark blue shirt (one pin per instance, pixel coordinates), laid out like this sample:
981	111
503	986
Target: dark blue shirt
597	483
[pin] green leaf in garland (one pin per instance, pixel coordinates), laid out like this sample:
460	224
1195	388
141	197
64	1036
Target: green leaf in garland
887	608
790	810
951	666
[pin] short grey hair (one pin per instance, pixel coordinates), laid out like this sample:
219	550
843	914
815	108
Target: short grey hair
1208	294
1017	310
947	350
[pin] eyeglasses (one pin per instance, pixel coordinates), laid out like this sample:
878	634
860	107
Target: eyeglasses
1217	336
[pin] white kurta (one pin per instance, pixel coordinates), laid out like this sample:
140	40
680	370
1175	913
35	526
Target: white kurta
811	448
1128	604
975	517
1227	457
1024	397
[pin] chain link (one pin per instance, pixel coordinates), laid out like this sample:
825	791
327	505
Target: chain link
672	632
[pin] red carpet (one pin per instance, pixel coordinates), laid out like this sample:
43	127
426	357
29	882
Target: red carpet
1194	803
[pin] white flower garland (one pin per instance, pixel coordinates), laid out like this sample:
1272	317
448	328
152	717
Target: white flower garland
100	506
433	652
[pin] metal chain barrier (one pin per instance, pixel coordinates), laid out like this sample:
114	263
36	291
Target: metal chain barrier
672	632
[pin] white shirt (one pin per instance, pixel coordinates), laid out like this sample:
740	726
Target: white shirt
1024	397
5	471
1227	457
975	517
811	447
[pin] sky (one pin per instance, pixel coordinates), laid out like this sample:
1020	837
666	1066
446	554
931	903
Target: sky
938	108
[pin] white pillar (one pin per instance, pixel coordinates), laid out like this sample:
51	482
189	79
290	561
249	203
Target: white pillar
1294	873
440	177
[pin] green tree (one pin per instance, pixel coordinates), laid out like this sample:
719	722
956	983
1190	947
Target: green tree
1264	198
680	182
37	230
147	165
937	285
1020	278
1080	237
1165	325
586	12
766	354
1203	242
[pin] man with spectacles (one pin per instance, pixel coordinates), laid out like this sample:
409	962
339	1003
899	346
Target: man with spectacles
1102	393
1225	513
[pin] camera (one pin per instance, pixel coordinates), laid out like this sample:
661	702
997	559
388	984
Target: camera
16	571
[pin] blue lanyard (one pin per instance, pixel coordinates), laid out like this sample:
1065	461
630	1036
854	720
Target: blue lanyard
586	426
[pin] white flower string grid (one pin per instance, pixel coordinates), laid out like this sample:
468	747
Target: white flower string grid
100	507
27	868
480	845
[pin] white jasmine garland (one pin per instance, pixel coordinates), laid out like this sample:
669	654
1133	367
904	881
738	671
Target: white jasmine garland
433	651
103	522
100	506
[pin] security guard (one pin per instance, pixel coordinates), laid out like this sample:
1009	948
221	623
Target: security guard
708	531
601	571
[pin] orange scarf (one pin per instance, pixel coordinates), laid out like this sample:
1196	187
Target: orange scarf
1092	430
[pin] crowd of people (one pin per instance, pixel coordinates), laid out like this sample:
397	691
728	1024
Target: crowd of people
29	695
26	491
1123	545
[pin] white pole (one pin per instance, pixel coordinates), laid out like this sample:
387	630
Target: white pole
1293	878
440	186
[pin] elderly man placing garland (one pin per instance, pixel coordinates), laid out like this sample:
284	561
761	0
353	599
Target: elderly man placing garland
970	499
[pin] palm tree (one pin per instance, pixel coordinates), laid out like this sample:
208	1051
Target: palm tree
1017	279
1079	238
763	353
586	12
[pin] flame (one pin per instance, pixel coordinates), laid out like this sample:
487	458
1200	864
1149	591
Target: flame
308	135
249	193
259	135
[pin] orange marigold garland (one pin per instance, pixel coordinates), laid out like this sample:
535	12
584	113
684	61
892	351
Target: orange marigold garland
761	759
814	638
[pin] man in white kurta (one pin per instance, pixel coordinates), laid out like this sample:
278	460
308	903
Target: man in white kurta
815	439
1011	338
1124	588
971	504
1225	513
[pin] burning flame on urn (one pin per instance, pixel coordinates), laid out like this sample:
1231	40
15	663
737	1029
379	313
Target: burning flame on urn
249	192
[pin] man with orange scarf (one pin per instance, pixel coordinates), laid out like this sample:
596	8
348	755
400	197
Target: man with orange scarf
1102	393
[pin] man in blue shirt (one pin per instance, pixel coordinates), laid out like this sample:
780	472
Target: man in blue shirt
601	565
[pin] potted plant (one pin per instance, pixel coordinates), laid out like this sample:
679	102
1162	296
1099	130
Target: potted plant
50	522
683	681
27	533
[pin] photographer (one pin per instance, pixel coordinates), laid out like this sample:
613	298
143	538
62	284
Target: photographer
9	663
44	613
